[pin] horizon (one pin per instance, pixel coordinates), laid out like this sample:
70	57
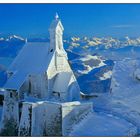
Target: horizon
101	20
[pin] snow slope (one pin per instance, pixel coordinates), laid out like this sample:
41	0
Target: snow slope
124	97
101	124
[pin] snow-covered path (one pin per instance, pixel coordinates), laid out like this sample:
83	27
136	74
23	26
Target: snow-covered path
103	124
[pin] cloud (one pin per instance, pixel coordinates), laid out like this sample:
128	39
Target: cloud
122	26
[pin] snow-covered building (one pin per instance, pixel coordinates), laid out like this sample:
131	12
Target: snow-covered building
40	79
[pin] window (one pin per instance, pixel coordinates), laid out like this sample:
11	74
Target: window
51	50
1	99
11	95
56	94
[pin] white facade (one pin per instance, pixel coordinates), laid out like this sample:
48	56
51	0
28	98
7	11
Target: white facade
40	67
40	72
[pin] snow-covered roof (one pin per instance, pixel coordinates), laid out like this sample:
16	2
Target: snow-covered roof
62	81
32	59
15	81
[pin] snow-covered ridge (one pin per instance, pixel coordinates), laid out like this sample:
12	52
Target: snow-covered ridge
106	42
12	37
91	62
16	37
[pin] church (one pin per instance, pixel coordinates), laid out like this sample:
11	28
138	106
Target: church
41	95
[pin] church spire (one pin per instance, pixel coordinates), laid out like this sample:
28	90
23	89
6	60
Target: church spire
56	16
56	36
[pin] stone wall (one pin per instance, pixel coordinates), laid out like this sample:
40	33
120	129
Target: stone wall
25	121
52	119
10	114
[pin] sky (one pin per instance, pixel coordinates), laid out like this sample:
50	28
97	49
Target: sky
100	20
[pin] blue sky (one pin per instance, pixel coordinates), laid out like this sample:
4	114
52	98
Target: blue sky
115	20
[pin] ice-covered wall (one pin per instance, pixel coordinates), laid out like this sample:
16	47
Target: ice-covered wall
10	114
51	73
25	120
38	119
23	89
38	86
59	63
51	118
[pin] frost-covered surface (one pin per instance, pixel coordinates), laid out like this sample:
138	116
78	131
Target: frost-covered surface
0	112
25	121
106	75
94	73
102	124
123	99
0	115
33	58
121	103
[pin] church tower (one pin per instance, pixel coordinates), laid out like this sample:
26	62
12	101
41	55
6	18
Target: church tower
56	36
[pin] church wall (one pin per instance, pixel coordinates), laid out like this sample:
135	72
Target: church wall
24	89
73	91
38	119
25	121
38	85
51	73
60	64
10	114
44	121
51	118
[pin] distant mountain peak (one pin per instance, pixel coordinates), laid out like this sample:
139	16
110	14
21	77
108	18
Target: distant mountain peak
16	37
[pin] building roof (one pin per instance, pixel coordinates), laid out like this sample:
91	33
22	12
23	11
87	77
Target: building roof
15	81
32	59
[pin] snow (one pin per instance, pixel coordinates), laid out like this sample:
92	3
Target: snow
0	112
73	44
15	81
116	113
123	99
137	74
25	120
90	67
106	75
62	81
17	37
1	39
75	39
55	23
32	59
101	124
0	115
